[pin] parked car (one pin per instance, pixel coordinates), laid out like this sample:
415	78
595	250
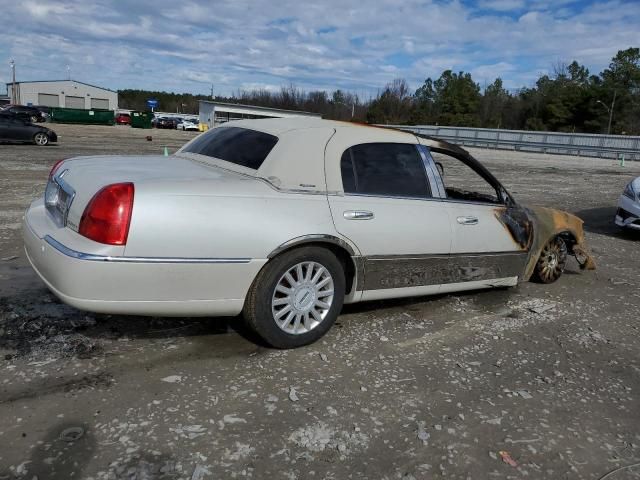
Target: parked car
33	113
165	122
284	220
628	213
45	110
123	119
188	124
16	130
23	117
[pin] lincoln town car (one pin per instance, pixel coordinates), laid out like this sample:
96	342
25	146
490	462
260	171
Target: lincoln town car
283	221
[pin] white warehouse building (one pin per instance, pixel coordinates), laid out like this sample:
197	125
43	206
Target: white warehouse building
213	113
64	93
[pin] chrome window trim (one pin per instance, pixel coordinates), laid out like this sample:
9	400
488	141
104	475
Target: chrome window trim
437	186
368	195
107	258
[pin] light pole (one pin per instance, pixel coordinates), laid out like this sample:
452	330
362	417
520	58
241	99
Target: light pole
13	82
610	110
353	108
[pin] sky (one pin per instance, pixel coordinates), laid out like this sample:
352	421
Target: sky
359	46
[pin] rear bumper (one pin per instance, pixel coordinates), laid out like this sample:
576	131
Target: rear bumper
121	285
628	213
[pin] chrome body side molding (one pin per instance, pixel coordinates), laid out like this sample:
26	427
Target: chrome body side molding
104	258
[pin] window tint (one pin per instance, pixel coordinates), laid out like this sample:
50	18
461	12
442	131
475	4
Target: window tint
385	169
243	147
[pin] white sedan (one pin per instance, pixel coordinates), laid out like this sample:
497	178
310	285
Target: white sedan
284	220
628	213
188	124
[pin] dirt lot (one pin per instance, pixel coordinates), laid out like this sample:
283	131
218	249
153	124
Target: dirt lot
410	389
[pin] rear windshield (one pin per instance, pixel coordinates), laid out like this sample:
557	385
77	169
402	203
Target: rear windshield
247	148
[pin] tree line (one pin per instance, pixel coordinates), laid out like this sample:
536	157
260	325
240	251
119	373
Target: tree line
570	99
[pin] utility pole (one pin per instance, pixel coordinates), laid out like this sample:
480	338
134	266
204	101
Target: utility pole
613	103
212	91
610	110
14	96
68	72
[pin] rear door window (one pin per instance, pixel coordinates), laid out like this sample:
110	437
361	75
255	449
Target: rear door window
241	146
384	169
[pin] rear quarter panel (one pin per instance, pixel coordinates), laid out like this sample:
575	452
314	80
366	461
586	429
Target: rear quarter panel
223	226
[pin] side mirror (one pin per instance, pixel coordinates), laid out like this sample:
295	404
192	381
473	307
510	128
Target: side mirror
440	168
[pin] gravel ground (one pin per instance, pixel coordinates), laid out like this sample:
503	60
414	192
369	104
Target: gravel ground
538	381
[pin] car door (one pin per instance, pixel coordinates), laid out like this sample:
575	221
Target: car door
20	130
5	133
484	252
384	205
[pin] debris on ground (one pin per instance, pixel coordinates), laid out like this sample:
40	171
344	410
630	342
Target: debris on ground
422	433
172	379
506	458
71	434
540	306
293	395
199	472
524	394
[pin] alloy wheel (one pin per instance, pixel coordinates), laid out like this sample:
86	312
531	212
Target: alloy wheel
302	298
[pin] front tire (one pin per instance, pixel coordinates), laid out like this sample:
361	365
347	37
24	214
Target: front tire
296	297
41	139
551	262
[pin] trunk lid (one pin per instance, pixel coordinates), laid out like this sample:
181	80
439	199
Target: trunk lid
79	179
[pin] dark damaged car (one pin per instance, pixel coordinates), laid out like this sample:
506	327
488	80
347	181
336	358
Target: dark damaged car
284	221
15	129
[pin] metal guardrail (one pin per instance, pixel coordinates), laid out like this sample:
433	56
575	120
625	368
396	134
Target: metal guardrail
581	144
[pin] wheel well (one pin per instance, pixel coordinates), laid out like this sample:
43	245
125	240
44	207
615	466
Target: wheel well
341	254
569	239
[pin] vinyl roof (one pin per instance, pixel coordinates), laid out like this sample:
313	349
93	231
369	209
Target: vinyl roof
278	126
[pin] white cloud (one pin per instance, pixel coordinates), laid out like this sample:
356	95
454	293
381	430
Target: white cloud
502	5
349	44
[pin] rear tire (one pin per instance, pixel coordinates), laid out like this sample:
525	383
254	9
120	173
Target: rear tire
551	262
41	139
296	297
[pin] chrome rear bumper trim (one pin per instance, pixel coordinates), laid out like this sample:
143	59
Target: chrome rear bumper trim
104	258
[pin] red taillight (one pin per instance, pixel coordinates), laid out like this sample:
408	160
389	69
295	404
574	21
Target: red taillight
55	167
108	215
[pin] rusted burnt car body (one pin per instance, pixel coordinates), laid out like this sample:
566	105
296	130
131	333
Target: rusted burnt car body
284	220
533	229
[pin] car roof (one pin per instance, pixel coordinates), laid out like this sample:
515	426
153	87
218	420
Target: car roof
278	126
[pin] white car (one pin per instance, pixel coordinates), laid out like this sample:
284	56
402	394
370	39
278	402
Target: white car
284	220
188	125
628	213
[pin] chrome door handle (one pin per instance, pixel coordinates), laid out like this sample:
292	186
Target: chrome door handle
467	220
358	215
